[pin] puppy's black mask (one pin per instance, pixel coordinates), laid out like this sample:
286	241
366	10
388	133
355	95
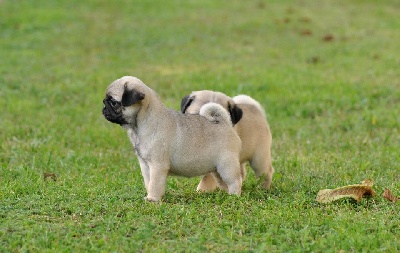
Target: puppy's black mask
113	109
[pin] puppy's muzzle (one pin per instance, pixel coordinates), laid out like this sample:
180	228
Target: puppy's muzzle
112	111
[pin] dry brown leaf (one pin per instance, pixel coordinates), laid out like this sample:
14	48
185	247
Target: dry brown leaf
387	194
356	191
367	182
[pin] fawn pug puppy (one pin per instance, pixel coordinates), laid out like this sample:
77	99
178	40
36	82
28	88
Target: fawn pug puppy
167	142
253	130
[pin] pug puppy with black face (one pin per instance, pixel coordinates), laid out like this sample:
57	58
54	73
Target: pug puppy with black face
253	130
167	142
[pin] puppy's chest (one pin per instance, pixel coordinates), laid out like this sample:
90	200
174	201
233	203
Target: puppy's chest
141	148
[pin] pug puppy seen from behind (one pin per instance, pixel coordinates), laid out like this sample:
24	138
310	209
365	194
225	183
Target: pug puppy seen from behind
253	130
167	142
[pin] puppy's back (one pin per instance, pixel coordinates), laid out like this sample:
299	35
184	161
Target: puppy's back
246	100
205	129
201	145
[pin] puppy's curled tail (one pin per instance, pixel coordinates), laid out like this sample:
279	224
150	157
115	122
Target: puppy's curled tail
215	113
244	99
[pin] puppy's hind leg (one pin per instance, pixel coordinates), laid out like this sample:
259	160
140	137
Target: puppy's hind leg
207	184
262	166
230	172
220	183
243	171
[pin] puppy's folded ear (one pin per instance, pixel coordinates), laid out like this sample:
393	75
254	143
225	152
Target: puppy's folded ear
131	97
235	112
185	103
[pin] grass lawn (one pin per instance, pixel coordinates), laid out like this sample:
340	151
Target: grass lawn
327	73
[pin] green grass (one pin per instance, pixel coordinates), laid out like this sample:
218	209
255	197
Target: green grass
327	73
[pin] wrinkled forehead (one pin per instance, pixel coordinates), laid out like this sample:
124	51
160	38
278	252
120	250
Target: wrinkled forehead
115	90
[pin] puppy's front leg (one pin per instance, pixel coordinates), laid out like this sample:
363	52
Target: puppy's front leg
157	183
144	167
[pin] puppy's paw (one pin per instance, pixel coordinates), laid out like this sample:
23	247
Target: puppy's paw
152	199
207	184
235	188
265	181
205	190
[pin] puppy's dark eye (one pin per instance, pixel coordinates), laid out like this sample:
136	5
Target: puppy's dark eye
113	103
